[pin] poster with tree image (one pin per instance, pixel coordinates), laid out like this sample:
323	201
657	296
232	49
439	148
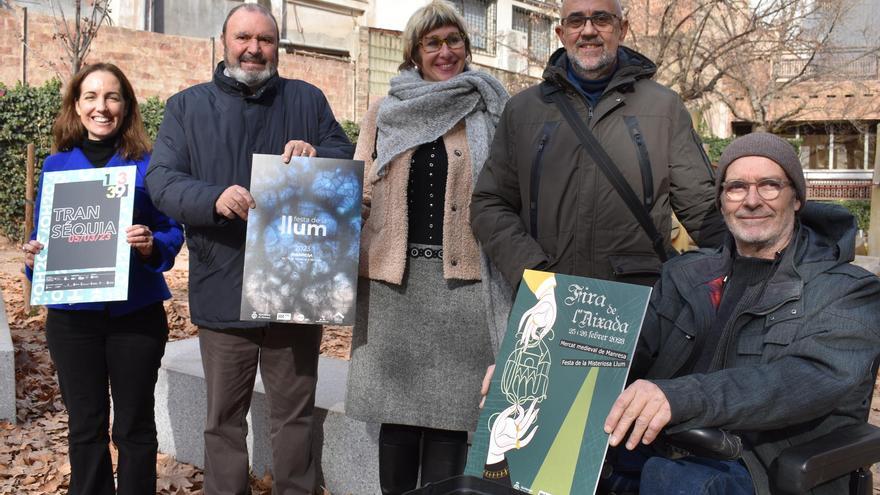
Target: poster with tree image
303	238
564	360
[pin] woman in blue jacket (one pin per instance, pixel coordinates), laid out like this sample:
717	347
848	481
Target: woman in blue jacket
119	343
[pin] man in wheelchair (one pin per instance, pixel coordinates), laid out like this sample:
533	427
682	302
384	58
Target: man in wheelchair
771	336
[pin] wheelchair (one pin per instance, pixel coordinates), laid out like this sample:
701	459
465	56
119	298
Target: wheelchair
797	470
800	468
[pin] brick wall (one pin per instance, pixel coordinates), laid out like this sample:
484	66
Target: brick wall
157	64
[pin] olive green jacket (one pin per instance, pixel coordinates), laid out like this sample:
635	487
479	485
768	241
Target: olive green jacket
541	202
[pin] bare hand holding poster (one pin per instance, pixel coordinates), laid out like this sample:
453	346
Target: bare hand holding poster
303	238
84	258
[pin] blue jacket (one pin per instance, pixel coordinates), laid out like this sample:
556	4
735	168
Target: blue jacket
205	144
146	284
793	366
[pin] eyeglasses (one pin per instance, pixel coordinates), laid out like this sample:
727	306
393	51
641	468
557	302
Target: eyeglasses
433	44
768	189
602	21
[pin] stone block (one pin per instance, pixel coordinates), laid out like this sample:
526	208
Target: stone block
7	369
347	449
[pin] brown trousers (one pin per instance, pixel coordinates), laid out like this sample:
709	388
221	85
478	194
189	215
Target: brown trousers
288	360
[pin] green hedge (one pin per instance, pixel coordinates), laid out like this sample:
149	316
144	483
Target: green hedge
860	208
26	116
152	111
715	146
352	130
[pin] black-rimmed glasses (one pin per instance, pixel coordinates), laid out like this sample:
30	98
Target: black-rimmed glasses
602	21
768	189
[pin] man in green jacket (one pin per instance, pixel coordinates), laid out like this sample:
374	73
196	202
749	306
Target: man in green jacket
541	201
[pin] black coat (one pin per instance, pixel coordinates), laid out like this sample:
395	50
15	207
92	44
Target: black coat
791	367
205	144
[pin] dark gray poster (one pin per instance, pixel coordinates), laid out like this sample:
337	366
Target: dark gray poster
302	248
82	220
72	218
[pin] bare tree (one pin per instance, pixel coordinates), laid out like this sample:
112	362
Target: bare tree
755	56
76	35
772	82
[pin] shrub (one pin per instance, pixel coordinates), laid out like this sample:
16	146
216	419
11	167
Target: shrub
860	208
26	116
714	146
352	130
152	111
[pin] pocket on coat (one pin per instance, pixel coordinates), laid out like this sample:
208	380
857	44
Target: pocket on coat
767	343
639	269
558	248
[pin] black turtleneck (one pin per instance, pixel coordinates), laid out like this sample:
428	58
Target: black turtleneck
98	152
744	273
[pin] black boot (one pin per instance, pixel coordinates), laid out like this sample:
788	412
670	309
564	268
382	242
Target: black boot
444	454
398	458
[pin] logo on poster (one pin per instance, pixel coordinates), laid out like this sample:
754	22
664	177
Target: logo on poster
294	225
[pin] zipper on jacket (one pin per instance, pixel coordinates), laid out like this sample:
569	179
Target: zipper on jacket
644	160
534	187
729	333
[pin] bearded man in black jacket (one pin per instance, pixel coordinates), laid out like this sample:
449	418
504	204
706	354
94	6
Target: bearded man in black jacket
199	175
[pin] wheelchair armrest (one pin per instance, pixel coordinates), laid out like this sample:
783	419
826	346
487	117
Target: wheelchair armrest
801	467
711	443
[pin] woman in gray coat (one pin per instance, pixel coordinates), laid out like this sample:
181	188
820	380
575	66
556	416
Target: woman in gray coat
422	342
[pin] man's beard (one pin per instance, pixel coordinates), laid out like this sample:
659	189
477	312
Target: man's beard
250	78
595	70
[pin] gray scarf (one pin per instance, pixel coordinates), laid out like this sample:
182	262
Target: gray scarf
418	112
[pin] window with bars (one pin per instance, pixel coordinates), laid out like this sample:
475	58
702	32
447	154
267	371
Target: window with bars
538	30
480	20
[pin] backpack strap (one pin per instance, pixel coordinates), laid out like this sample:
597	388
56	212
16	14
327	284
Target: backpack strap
592	146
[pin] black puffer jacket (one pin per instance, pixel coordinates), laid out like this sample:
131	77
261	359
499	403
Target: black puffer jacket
790	368
540	201
205	144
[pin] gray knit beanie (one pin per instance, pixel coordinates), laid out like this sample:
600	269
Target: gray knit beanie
769	146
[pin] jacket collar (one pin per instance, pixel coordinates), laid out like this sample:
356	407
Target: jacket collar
785	284
237	88
631	66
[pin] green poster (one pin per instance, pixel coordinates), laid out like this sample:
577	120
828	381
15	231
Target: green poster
563	362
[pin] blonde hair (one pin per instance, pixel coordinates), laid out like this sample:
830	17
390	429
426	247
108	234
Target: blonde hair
437	14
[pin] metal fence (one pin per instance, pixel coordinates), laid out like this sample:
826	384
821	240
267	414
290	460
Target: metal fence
480	17
840	64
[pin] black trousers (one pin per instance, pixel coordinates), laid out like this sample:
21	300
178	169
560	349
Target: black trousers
90	350
288	359
409	454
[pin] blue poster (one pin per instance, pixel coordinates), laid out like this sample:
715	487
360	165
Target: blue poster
303	238
82	220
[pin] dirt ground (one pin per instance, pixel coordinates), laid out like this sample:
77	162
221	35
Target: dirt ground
33	452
